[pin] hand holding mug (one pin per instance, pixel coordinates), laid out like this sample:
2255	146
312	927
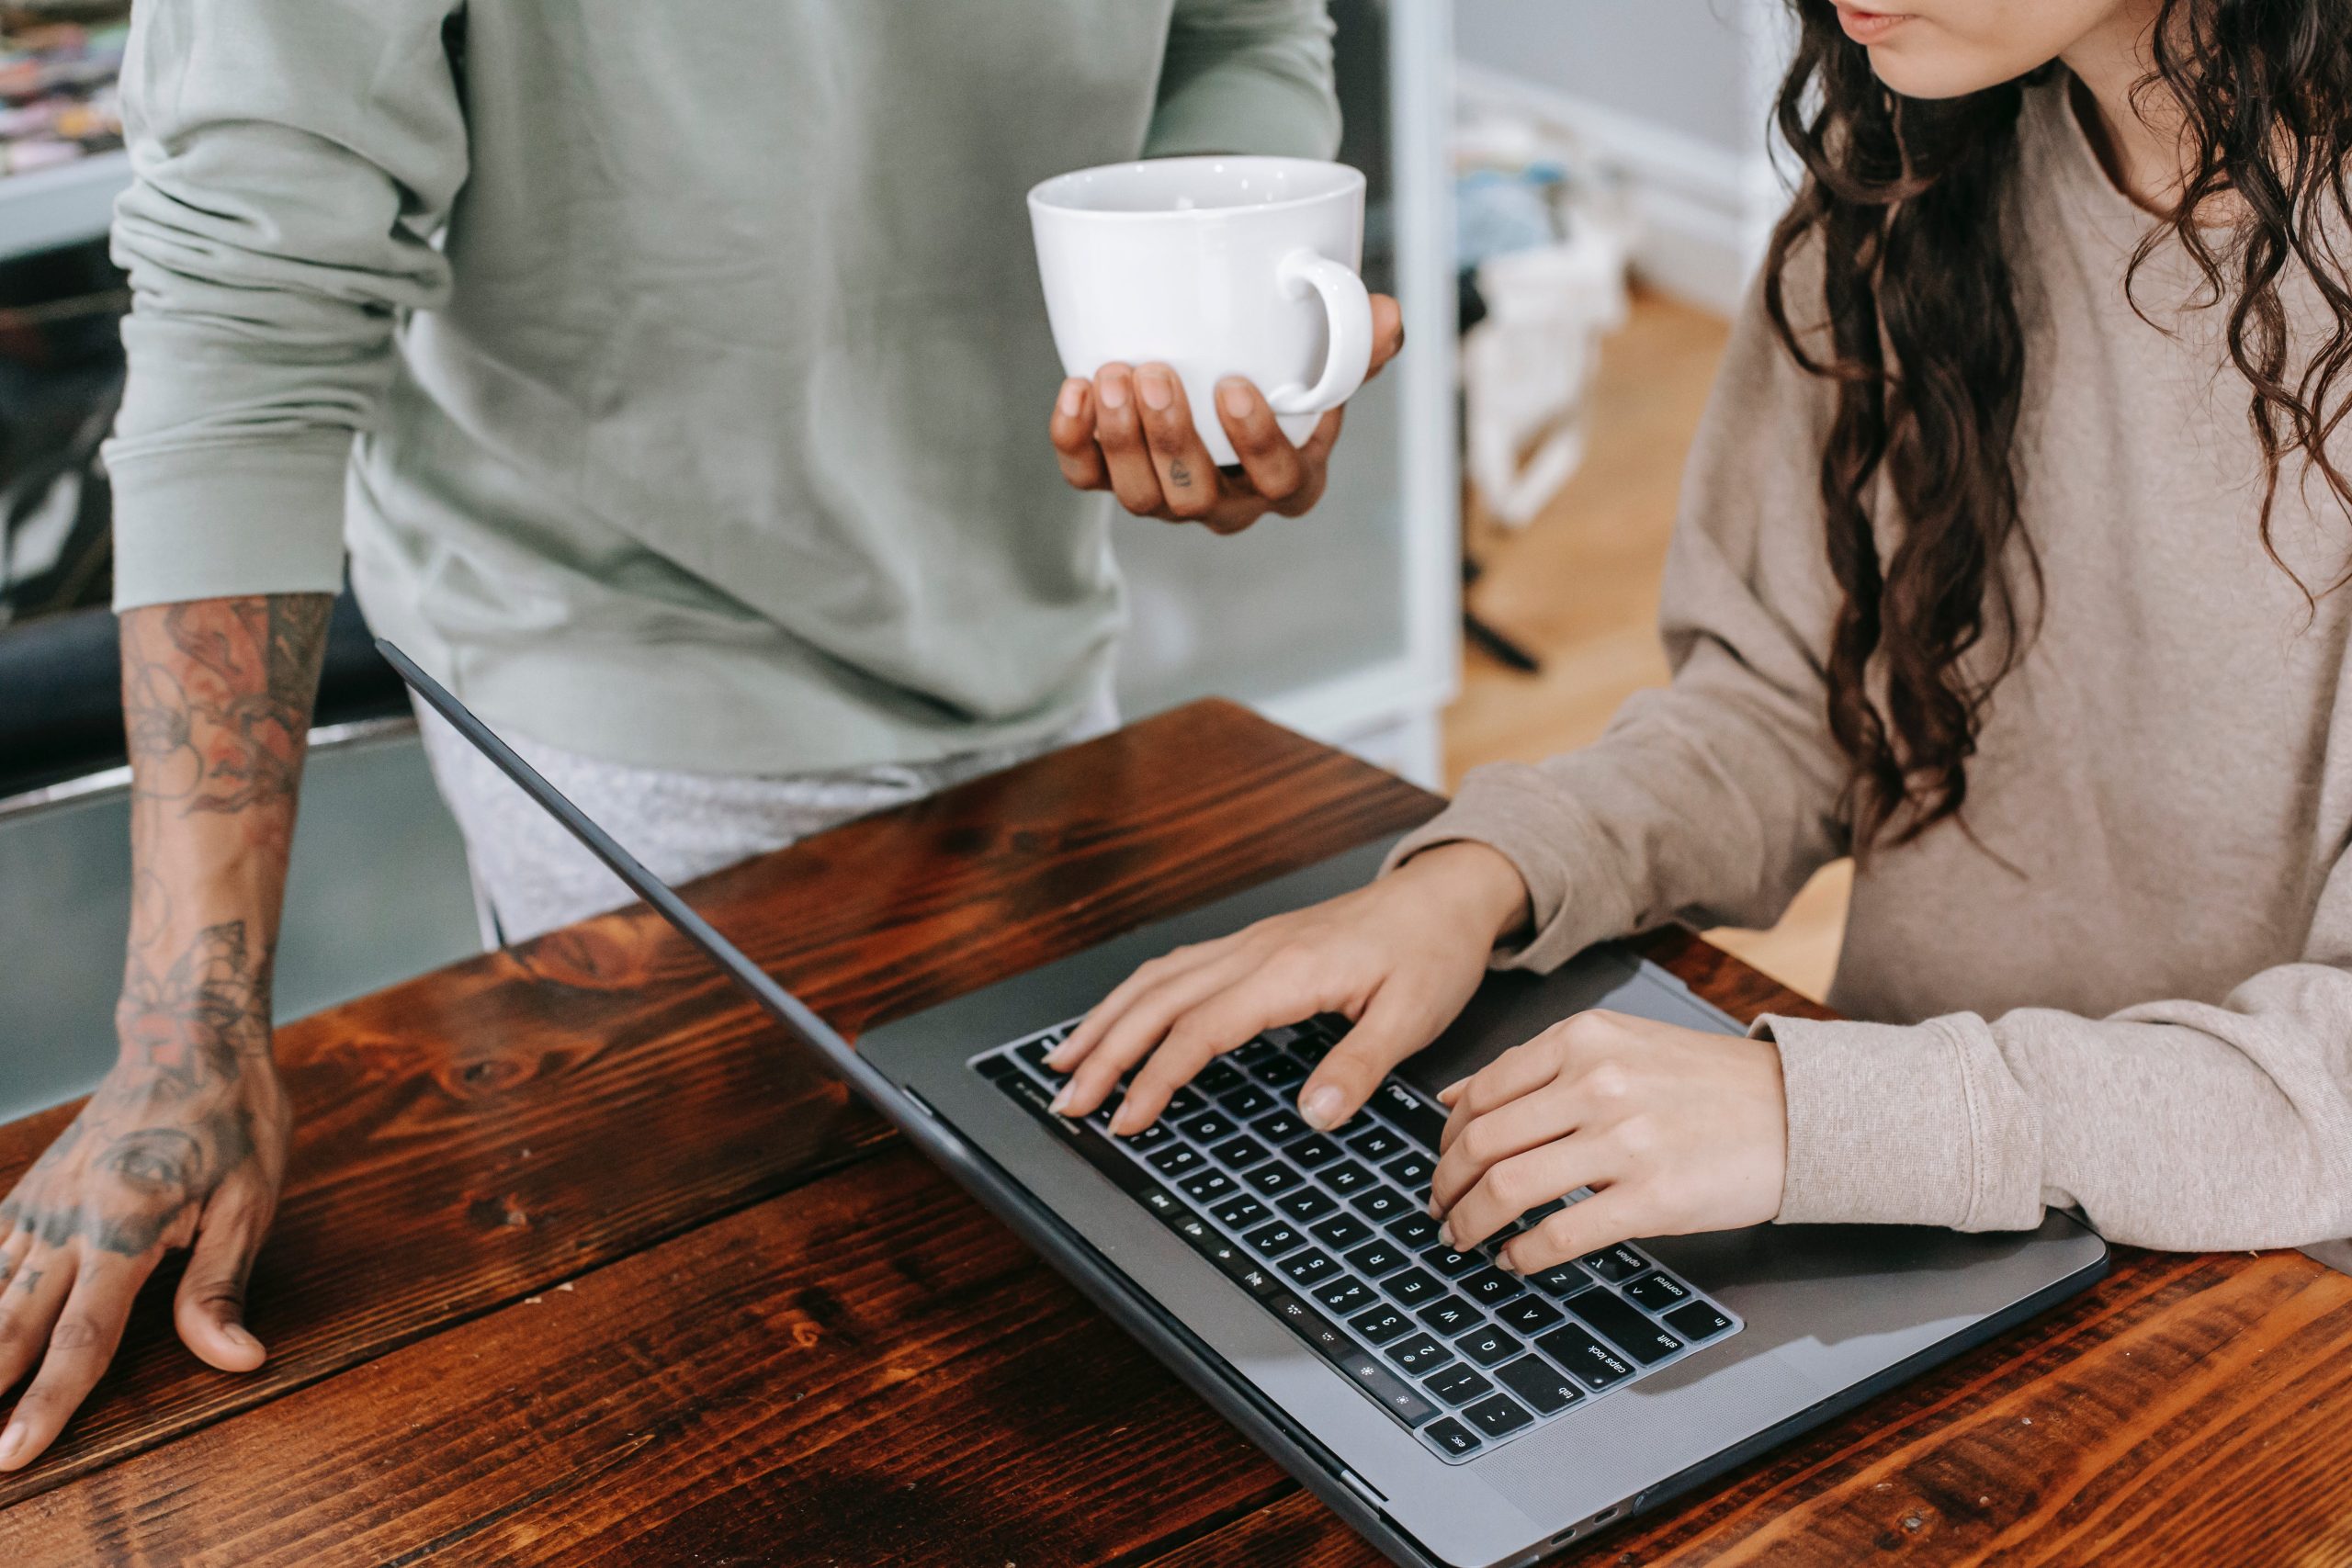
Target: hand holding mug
1177	290
1131	431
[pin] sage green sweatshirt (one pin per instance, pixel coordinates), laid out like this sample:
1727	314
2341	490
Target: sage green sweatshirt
2134	994
676	374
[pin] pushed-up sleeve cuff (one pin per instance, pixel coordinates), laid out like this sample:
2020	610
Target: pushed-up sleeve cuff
1575	894
1239	111
1902	1124
222	521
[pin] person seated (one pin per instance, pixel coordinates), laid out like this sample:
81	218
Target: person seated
2010	562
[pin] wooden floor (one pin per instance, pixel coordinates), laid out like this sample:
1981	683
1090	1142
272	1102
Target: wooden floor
1579	588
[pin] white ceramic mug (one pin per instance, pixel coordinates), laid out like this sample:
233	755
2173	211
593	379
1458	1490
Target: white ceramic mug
1214	266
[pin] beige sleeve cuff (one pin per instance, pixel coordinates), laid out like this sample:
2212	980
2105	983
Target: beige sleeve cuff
1895	1125
1512	810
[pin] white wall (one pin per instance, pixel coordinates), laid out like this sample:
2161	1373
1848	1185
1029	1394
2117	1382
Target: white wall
1682	63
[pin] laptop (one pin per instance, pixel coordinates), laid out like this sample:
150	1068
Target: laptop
1452	1413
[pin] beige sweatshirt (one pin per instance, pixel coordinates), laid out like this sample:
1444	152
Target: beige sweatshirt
2151	1018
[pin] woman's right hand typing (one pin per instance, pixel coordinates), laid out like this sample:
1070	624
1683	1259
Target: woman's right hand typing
1400	957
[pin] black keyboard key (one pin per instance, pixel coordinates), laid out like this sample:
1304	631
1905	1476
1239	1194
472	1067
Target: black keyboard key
1497	1415
1101	1115
1344	1295
1560	1280
1492	1287
1416	1230
1183	1103
1411	1172
1219	1078
1697	1320
1310	1268
1035	1053
1421	1122
1380	1203
1540	1384
1418	1354
1624	1327
1379	1325
1259	1050
1176	1159
1275	1238
1529	1314
1413	1287
1278	1128
1377	1257
1208	1186
1452	1436
1588	1360
1326	1336
1241	1213
1346	1176
1150	1138
1313	1150
1209	1127
1489	1346
1457	1384
1376	1142
1657	1292
1274	1179
1452	1264
1239	1152
1449	1316
1615	1263
995	1067
1307	1203
1341	1230
1280	1072
1395	1395
1245	1102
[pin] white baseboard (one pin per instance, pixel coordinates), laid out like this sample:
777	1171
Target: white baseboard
1704	210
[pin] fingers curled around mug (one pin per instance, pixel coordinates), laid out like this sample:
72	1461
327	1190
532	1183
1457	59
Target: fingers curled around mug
1388	332
1188	479
1118	432
1072	430
1265	453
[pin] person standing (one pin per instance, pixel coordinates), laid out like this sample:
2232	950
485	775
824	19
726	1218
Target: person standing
674	378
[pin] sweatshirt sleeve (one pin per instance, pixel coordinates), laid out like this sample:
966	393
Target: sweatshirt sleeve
1710	800
292	162
2184	1125
1246	76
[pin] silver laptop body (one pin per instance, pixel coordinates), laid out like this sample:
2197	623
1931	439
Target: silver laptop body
1566	1404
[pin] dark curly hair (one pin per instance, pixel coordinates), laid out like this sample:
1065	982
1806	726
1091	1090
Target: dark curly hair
1919	331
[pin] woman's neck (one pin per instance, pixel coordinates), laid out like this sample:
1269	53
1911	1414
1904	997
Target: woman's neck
2142	145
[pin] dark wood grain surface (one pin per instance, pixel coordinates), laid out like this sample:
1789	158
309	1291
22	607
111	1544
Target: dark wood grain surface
581	1263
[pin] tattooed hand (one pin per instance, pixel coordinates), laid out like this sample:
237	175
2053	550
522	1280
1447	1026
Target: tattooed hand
184	1143
1130	431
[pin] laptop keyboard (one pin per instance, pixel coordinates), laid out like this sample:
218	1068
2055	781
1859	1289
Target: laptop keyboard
1331	1232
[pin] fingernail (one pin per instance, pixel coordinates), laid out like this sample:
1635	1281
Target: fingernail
1321	1109
1506	1262
1445	1235
1158	390
237	1334
1073	393
1061	1100
1112	392
1452	1091
1436	1210
1234	393
10	1441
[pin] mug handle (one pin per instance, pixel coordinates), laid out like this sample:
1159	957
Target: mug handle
1347	308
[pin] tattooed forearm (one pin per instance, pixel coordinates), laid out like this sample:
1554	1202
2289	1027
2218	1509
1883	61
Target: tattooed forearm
217	696
201	1019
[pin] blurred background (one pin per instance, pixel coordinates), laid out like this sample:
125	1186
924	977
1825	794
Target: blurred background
1568	195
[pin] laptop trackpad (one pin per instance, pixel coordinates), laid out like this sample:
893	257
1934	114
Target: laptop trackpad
1513	1007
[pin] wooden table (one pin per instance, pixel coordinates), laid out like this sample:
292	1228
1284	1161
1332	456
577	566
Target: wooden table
581	1262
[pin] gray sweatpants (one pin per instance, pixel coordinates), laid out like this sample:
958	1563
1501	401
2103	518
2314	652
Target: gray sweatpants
531	876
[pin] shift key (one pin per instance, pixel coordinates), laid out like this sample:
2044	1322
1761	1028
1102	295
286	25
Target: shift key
1625	1326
